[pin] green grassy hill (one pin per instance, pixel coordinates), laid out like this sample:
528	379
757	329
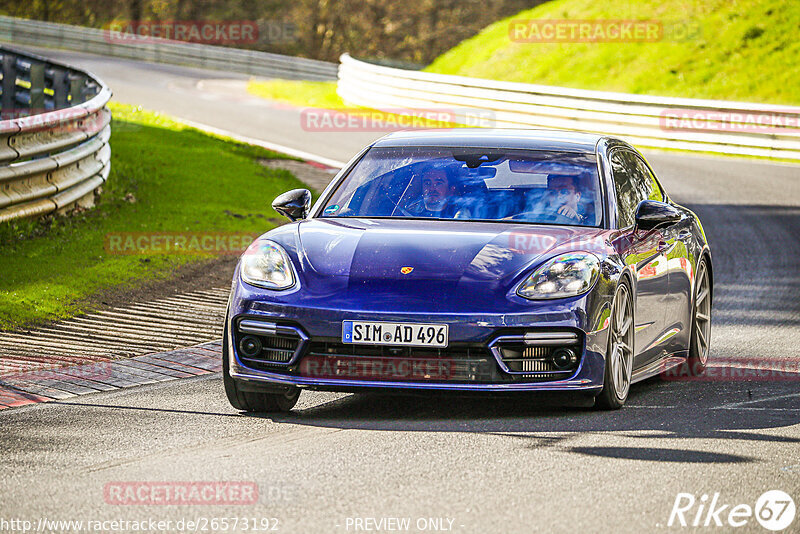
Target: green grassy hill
722	49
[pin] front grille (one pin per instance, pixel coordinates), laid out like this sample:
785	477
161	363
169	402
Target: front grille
533	359
391	363
352	349
278	349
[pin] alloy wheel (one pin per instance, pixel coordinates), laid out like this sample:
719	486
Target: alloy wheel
702	315
621	346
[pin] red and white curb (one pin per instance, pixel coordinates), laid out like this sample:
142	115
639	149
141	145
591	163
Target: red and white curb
129	345
43	385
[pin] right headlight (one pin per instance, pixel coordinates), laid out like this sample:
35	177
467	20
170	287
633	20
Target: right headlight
567	275
266	264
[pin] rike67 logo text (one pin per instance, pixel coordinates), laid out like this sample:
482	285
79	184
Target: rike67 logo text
774	510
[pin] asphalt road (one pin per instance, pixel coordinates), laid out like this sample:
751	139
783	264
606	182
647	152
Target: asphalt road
480	465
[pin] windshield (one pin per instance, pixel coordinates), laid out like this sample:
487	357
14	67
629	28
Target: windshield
473	184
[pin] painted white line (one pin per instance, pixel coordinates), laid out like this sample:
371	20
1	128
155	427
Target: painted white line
264	144
755	409
734	405
725	407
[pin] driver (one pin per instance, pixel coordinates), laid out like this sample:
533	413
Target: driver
438	196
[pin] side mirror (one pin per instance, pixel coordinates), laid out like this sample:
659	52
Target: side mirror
652	213
294	204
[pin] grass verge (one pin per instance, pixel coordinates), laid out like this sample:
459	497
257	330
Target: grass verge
165	178
298	93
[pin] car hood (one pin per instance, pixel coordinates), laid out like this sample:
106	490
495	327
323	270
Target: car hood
403	262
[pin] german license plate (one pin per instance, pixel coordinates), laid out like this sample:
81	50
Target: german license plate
403	334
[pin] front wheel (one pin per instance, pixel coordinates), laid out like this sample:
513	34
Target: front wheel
251	401
619	355
701	322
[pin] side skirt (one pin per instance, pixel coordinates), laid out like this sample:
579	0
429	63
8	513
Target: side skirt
670	361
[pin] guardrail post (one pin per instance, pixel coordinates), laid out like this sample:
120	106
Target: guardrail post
76	84
60	89
37	87
9	101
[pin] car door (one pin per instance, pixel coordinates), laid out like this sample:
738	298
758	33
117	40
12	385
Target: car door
644	252
677	241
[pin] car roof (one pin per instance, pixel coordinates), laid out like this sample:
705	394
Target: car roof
559	140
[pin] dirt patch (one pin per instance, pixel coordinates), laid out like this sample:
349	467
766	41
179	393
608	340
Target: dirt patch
213	273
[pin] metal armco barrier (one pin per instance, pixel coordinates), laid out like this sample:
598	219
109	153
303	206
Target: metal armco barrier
37	33
735	128
54	134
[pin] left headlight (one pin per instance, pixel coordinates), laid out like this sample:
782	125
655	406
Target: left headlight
567	275
266	264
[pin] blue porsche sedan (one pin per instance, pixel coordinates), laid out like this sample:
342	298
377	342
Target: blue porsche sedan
472	260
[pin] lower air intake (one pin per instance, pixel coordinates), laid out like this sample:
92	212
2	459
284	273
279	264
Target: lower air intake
538	355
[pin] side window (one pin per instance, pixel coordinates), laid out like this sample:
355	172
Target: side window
627	195
646	182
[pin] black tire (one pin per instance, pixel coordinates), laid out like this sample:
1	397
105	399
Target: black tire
251	401
700	338
620	351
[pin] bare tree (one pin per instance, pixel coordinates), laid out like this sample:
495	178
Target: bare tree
414	32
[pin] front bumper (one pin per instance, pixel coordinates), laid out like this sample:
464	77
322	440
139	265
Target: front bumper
583	315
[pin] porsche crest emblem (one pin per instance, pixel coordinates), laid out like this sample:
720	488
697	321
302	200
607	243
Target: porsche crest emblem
406	270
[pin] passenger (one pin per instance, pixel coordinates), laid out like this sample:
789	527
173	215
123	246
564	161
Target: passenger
561	200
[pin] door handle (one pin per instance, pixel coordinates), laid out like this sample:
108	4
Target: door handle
662	246
684	235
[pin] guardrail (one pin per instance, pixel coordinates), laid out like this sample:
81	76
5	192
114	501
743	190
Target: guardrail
79	38
659	122
54	134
